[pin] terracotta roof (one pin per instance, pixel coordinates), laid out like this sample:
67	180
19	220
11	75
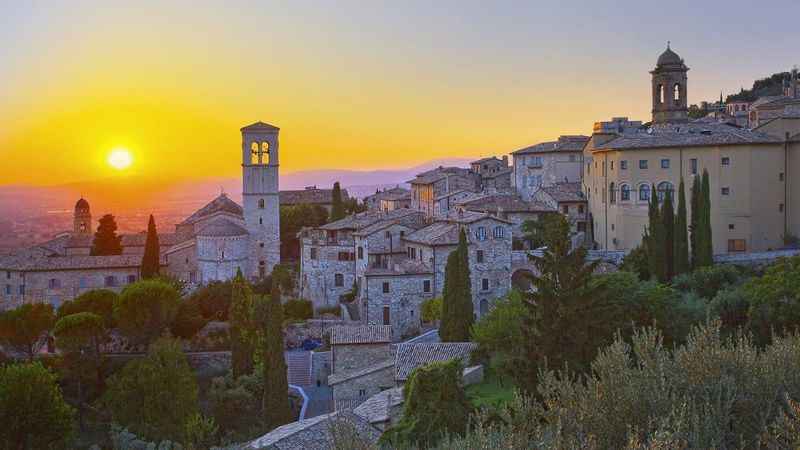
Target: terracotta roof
565	192
314	433
376	408
489	159
688	135
411	356
308	195
361	334
221	228
439	173
260	126
337	378
221	203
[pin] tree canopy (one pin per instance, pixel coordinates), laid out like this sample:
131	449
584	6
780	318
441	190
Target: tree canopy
145	309
457	309
268	336
151	257
25	328
240	319
106	240
98	301
337	205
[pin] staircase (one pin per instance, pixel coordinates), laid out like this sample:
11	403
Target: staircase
352	310
298	366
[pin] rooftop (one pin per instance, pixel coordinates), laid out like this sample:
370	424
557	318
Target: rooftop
222	228
688	135
494	203
314	433
337	378
220	204
361	334
565	192
358	221
411	356
376	408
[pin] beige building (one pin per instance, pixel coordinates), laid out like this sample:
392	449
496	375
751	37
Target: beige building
751	172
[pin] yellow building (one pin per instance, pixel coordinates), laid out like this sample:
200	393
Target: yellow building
752	173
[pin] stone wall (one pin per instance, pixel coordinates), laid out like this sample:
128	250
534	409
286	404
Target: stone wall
349	357
321	367
353	392
406	293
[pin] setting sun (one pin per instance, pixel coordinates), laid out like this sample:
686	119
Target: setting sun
120	159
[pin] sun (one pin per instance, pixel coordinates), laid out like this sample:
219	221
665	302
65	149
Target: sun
120	158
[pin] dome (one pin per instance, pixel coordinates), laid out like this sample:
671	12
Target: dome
82	205
669	58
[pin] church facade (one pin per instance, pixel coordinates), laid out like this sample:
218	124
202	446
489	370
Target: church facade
214	243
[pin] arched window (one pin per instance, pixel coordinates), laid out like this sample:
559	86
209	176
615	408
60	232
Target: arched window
665	188
265	152
480	233
624	192
660	93
254	152
338	280
676	93
498	232
644	192
612	193
261	203
484	307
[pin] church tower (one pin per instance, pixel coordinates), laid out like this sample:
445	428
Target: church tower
260	197
82	219
669	89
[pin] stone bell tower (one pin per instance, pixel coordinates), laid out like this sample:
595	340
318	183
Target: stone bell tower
669	89
260	198
82	219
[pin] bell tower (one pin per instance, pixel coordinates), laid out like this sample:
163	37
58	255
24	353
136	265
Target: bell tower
82	219
669	89
260	198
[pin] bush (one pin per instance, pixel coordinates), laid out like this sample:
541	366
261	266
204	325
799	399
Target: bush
97	301
774	299
188	321
213	301
236	404
298	309
707	281
145	309
730	307
431	310
498	332
335	310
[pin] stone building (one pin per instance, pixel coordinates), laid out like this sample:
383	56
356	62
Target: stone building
569	200
511	206
548	163
411	356
373	201
362	363
494	173
427	186
751	172
310	195
398	200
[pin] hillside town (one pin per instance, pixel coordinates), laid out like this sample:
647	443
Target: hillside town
369	273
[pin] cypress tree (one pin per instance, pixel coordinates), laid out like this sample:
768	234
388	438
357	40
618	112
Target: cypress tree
337	207
655	240
150	259
681	264
457	309
668	234
705	249
239	315
106	241
268	325
694	226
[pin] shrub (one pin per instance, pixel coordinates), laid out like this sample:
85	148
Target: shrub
214	300
188	321
707	281
730	307
335	310
298	309
97	301
431	310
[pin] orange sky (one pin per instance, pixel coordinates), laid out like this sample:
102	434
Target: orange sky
352	85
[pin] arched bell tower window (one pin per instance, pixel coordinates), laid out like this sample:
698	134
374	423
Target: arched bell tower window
261	203
660	94
265	152
254	153
676	93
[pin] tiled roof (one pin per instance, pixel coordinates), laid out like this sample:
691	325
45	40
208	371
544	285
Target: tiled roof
73	262
438	233
538	148
493	203
565	192
566	143
337	378
128	240
688	135
497	173
314	433
414	220
439	173
405	267
308	195
376	408
362	220
221	203
221	228
361	334
489	159
464	216
260	126
411	356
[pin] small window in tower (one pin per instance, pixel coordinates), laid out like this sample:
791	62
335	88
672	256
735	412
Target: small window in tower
265	152
660	93
260	221
254	153
676	93
261	203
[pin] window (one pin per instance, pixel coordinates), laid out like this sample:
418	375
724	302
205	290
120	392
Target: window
676	93
484	307
665	164
666	188
8	289
313	253
426	285
362	392
254	153
780	207
8	274
780	176
726	191
131	279
693	166
624	192
55	283
581	226
402	233
261	244
388	235
643	164
260	221
360	252
485	284
338	280
261	203
385	288
386	316
110	281
644	192
82	282
480	233
580	209
737	245
223	254
412	252
21	289
571	158
612	165
623	165
498	232
726	161
612	193
479	256
730	226
565	209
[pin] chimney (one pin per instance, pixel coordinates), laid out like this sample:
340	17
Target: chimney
505	160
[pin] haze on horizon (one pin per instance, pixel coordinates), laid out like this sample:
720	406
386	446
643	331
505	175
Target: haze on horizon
353	85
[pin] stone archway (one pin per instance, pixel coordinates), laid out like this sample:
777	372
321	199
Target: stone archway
520	279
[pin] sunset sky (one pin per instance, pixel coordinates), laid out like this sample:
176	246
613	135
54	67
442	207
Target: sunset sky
352	84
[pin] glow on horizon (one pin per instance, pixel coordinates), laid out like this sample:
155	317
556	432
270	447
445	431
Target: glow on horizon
357	85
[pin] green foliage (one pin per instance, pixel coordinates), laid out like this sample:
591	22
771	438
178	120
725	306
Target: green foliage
106	240
764	87
240	313
298	309
352	295
98	301
774	299
213	300
431	310
562	311
79	334
200	433
175	281
705	252
337	207
681	259
457	309
25	328
33	411
144	309
150	259
236	404
498	333
154	397
668	234
189	320
293	219
636	261
707	281
694	224
123	439
282	276
269	345
351	205
435	405
335	310
654	240
730	307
